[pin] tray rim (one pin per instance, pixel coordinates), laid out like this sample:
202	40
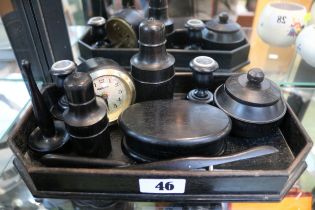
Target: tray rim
135	196
168	50
309	143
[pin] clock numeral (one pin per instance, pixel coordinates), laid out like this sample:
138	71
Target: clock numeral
115	105
116	84
119	91
101	80
119	99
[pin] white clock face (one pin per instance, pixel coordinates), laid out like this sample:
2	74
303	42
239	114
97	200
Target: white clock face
116	92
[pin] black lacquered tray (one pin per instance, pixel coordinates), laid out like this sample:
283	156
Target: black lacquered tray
265	178
228	60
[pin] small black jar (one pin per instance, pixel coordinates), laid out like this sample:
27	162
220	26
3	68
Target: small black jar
86	119
254	103
152	68
166	129
221	33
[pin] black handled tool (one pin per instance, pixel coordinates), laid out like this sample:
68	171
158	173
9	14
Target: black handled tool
189	163
203	162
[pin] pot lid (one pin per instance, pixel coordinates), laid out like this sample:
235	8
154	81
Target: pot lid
223	24
253	89
174	123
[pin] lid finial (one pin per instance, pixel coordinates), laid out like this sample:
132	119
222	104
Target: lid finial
255	75
223	17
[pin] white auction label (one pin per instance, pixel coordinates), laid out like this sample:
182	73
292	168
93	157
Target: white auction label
162	185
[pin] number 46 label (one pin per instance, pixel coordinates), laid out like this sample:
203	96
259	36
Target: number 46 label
162	185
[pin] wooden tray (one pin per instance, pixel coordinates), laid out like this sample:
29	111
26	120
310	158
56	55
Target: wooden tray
228	60
265	178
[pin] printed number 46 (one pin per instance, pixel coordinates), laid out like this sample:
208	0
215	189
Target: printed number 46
167	186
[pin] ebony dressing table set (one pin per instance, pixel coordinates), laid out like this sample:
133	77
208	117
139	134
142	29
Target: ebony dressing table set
103	132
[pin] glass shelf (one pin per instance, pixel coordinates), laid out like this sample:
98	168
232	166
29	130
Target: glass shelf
282	65
14	98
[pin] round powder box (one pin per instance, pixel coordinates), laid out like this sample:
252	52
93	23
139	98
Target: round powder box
166	129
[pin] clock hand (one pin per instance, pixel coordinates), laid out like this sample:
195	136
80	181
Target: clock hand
106	101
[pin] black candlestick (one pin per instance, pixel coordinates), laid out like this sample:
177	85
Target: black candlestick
202	68
86	119
49	135
98	31
59	71
194	27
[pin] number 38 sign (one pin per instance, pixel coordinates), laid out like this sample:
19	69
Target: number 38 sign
162	185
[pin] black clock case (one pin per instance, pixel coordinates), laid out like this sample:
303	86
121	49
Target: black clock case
229	60
266	178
